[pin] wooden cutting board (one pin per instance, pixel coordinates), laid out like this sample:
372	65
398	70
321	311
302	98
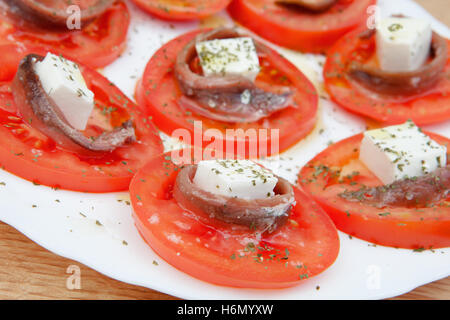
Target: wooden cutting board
27	271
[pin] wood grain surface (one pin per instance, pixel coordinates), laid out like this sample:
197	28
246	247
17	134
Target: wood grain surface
27	271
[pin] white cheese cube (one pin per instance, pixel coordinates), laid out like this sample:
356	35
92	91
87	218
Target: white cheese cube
401	151
235	178
65	85
403	44
229	57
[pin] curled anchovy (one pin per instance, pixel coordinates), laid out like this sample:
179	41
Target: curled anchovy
410	192
258	214
312	5
226	98
395	83
44	15
40	112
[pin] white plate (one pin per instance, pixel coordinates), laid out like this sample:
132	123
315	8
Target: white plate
65	222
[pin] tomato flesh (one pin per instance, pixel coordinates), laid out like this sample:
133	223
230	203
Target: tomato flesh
300	29
181	10
96	45
429	107
31	155
402	227
305	246
159	92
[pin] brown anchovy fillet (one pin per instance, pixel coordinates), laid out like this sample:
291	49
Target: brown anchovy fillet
395	83
221	97
313	5
410	192
44	15
257	214
39	111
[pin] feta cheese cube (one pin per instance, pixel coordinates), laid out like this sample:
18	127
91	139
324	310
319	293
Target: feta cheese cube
401	151
228	57
65	85
235	178
403	44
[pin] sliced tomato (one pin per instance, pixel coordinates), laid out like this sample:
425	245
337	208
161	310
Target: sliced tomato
159	91
96	45
304	247
299	29
428	107
11	55
180	10
29	154
338	168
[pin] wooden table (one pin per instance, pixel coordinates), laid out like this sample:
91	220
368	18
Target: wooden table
27	271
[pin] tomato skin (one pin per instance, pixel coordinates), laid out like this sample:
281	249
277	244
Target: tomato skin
429	107
29	154
182	12
11	55
391	226
158	91
206	251
300	31
96	45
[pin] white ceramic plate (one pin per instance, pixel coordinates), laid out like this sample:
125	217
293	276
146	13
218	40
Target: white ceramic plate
66	223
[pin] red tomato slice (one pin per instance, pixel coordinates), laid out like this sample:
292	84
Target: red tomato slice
158	90
300	29
11	55
180	10
96	45
429	107
29	154
304	247
391	226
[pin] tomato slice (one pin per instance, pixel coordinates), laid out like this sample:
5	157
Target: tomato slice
391	226
299	29
11	55
305	246
159	91
181	10
428	107
31	155
96	45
